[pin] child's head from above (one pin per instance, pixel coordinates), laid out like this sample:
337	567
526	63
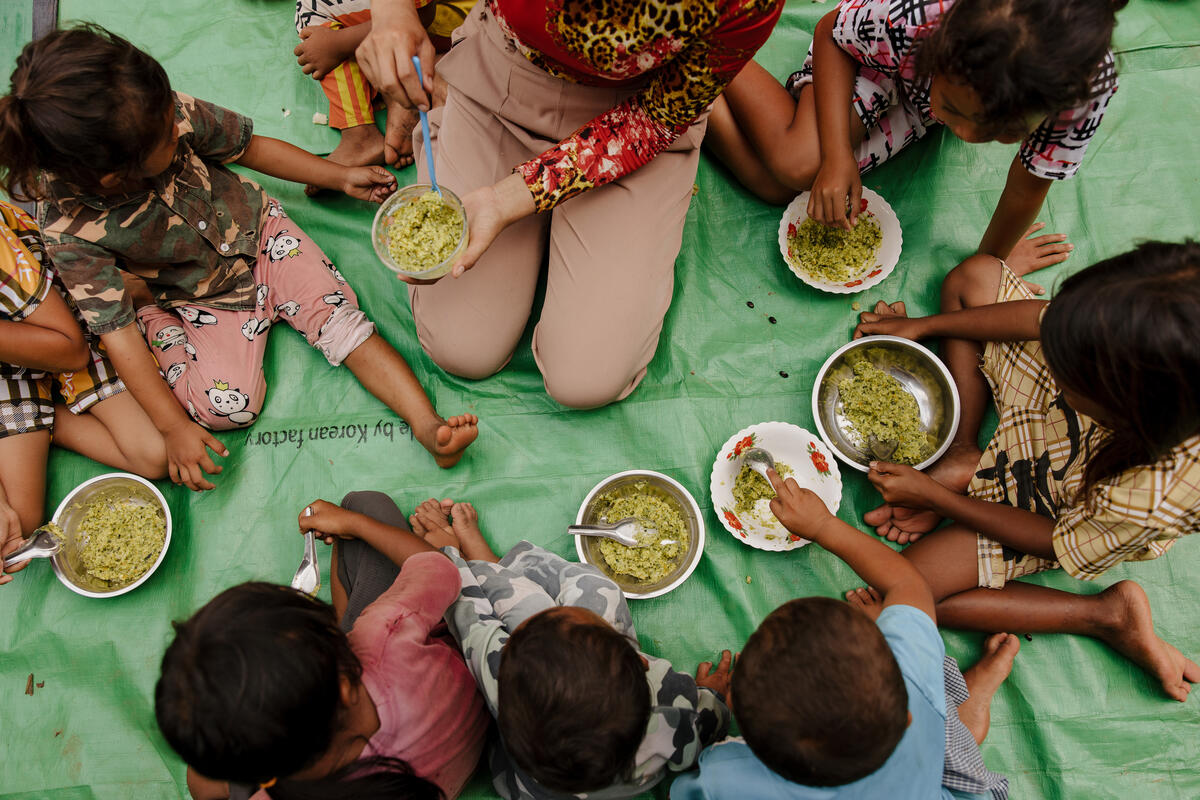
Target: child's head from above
1001	66
256	686
574	702
89	107
1120	339
818	694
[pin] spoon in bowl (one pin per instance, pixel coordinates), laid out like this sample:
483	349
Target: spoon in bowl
759	460
42	543
624	531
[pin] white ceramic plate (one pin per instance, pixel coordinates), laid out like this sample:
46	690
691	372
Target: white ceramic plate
814	467
885	259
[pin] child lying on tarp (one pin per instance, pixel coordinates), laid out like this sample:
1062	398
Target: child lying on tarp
54	379
132	180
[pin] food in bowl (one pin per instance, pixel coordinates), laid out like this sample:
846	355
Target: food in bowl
749	487
654	508
834	255
121	539
424	232
875	403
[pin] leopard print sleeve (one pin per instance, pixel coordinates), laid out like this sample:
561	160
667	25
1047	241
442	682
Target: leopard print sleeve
688	69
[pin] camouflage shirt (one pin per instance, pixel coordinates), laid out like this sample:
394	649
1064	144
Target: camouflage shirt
192	235
496	598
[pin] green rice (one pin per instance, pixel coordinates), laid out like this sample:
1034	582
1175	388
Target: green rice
749	487
654	508
120	540
834	255
423	233
874	402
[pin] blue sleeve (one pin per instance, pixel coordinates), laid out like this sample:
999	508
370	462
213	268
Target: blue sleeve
689	787
919	650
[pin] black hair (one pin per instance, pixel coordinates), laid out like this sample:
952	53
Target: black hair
83	103
818	694
1123	334
1023	57
574	702
250	691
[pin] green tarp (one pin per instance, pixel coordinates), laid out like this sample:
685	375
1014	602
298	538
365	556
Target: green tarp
1074	720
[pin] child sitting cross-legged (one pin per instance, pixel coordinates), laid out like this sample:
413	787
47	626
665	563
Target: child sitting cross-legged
581	711
854	700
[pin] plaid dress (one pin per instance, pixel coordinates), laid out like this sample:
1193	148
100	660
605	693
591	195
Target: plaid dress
1036	460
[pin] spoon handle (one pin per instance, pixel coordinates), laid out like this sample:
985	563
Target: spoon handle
30	550
425	132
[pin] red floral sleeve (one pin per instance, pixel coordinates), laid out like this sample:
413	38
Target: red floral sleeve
688	72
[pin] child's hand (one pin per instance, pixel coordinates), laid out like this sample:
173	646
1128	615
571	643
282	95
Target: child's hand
321	49
890	319
10	539
328	521
187	454
1038	252
901	485
719	679
800	510
373	184
837	184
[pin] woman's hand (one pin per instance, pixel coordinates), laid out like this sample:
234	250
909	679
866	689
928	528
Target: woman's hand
901	485
1032	253
373	184
800	510
892	320
836	196
489	211
11	538
385	57
328	521
187	454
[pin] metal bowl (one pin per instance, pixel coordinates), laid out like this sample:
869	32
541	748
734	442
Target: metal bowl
117	485
920	372
379	231
588	547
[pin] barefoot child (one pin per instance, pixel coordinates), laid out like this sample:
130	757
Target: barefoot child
132	180
1096	458
330	31
367	699
1040	73
54	379
580	710
855	700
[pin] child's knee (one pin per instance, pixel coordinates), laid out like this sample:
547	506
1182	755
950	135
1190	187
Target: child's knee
974	282
365	502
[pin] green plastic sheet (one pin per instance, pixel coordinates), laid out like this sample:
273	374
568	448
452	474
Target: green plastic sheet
1074	720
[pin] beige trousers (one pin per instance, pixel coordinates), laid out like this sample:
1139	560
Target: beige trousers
610	252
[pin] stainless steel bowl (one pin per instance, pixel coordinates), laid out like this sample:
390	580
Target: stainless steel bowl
921	372
588	547
117	485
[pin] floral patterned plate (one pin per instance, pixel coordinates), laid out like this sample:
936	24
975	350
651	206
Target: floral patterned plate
813	467
885	259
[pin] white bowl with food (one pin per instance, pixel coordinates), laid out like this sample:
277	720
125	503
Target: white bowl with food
116	529
663	503
741	498
835	260
418	233
889	387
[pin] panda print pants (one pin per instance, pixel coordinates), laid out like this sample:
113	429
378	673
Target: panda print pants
213	358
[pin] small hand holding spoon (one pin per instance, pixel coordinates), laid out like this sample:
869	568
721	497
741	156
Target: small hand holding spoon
42	543
425	132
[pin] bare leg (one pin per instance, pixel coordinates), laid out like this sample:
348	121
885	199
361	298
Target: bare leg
23	480
1119	616
725	140
465	520
384	373
984	679
337	592
116	432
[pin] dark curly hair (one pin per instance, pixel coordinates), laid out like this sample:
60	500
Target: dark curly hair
1023	57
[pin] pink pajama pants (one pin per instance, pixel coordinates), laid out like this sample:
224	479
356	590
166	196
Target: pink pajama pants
213	358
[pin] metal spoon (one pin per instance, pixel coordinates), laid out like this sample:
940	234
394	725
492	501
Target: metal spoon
624	531
308	577
42	543
881	450
759	460
425	132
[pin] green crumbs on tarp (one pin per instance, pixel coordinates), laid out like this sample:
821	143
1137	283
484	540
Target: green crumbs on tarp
1073	721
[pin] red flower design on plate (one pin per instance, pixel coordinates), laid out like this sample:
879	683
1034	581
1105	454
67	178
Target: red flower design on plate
793	537
854	283
741	447
791	229
733	521
874	272
818	459
862	206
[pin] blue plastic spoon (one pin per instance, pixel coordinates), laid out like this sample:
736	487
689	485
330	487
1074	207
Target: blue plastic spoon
425	132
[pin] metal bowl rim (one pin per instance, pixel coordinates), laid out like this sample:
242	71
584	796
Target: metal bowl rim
62	507
879	337
700	535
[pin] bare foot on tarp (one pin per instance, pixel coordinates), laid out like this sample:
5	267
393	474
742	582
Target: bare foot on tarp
984	679
431	521
1130	631
360	146
465	521
447	439
866	600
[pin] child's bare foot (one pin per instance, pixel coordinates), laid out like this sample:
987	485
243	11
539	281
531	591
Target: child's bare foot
1130	631
447	439
431	522
465	521
984	679
360	146
953	470
866	600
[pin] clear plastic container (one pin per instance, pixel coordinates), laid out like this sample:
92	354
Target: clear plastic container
384	216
